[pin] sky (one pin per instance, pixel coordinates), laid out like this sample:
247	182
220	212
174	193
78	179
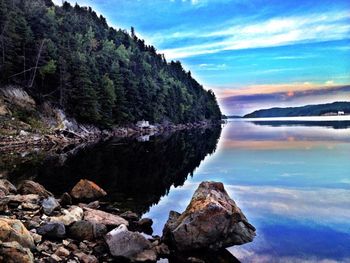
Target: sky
253	54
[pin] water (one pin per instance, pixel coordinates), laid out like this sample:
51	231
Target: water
290	178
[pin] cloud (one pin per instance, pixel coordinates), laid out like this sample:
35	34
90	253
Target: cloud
295	202
273	32
283	88
254	97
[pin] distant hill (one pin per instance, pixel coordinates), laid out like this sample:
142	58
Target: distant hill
308	110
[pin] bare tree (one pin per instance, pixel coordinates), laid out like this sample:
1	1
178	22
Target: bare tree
36	63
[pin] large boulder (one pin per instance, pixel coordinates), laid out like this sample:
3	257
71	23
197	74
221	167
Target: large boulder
87	190
130	245
30	187
13	252
101	217
212	220
14	230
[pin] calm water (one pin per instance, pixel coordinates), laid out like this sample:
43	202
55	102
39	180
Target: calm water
291	179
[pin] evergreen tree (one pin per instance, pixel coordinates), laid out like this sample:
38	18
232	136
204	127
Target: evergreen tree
70	56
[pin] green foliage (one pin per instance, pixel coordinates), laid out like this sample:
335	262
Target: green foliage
48	68
97	74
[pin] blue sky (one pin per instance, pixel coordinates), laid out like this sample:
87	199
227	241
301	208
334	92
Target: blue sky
253	54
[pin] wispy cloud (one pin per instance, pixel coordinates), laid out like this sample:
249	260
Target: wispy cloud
276	31
278	88
254	97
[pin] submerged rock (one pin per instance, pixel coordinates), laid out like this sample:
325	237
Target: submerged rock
30	187
87	190
14	230
130	245
49	205
130	216
13	252
101	217
211	220
144	225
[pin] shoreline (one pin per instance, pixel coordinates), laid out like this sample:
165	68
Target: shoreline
61	138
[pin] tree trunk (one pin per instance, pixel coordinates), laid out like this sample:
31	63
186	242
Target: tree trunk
36	64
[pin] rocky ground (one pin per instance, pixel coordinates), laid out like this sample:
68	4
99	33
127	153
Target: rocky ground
37	227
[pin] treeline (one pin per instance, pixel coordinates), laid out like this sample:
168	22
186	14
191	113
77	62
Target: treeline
69	56
308	110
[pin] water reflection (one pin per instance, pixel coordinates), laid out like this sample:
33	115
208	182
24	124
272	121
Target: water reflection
134	174
292	182
330	124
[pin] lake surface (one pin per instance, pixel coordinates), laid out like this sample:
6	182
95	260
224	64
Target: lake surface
290	178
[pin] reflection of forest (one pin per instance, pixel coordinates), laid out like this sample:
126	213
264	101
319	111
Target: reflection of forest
134	174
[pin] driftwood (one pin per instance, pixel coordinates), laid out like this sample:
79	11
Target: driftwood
71	134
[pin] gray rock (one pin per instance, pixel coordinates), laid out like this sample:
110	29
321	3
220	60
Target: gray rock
70	215
49	205
212	220
55	230
85	230
127	244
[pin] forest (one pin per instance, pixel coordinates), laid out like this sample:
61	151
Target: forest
69	56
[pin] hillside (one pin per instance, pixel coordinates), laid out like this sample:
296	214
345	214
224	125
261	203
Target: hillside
309	110
70	57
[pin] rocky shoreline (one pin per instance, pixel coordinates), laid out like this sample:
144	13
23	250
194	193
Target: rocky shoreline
77	227
24	125
61	138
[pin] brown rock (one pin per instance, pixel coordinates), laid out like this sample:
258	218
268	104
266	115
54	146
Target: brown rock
162	250
62	252
87	190
7	187
14	230
85	230
13	252
3	203
30	187
211	220
130	216
28	198
101	217
84	258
